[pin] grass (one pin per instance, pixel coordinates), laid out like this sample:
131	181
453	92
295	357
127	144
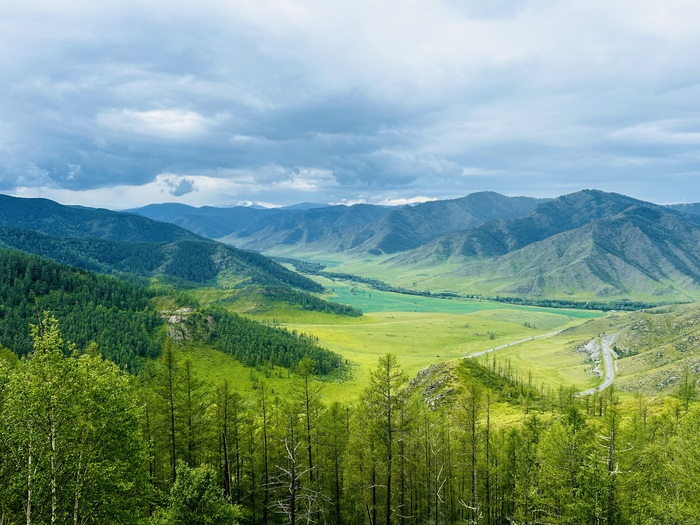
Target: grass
215	367
371	301
419	330
552	362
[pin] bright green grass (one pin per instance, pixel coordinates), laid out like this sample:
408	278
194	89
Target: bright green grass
420	339
215	367
372	301
551	361
420	331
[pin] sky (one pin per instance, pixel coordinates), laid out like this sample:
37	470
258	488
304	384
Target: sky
122	103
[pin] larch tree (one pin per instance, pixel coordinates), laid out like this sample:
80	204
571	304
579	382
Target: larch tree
382	399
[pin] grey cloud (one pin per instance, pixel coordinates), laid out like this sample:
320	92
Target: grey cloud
180	187
332	103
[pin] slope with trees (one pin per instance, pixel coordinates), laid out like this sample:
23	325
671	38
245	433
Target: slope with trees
120	320
177	451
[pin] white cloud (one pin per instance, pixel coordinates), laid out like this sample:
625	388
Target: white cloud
403	201
659	132
167	123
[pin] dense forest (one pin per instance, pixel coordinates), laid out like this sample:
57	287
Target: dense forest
255	344
119	319
83	442
116	316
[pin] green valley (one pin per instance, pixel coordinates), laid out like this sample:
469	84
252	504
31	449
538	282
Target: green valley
350	385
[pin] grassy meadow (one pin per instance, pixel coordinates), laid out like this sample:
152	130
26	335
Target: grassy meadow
420	331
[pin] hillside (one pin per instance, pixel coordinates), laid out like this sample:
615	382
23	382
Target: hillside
334	228
500	237
193	260
117	316
49	217
409	227
589	243
360	228
207	221
640	251
656	348
122	323
112	242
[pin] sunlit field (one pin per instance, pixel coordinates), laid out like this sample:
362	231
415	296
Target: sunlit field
420	331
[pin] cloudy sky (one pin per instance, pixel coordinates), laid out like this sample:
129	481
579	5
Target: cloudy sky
120	103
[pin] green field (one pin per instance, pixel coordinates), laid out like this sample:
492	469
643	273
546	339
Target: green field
372	301
419	330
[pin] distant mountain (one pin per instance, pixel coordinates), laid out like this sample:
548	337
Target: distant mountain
207	221
49	217
112	242
588	242
409	227
693	208
334	228
305	206
500	237
361	228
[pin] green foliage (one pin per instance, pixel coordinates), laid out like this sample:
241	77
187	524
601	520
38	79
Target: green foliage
255	344
605	306
197	499
71	439
76	221
116	315
501	379
310	302
183	261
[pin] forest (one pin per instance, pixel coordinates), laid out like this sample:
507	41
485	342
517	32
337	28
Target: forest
86	442
119	319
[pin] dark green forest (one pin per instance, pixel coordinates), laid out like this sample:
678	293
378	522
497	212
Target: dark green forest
195	260
116	316
119	320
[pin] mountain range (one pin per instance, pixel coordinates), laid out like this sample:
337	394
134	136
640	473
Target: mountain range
361	228
586	243
122	243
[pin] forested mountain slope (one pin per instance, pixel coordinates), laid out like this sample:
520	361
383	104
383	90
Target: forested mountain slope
119	243
115	315
193	260
121	320
52	218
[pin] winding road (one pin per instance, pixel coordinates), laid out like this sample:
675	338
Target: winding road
607	358
609	369
484	352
